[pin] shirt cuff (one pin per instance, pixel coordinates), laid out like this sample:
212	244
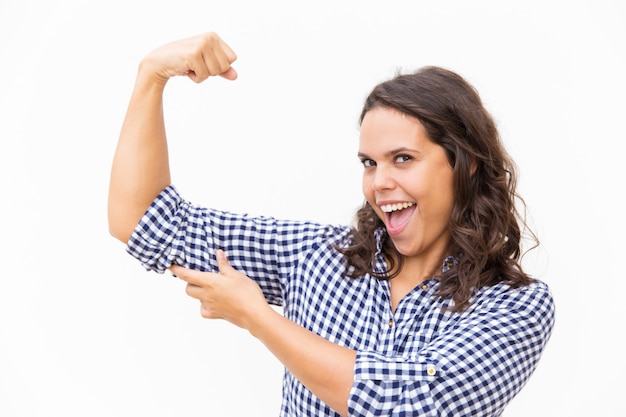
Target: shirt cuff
153	241
386	385
375	366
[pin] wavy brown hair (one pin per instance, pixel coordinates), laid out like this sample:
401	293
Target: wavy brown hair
485	225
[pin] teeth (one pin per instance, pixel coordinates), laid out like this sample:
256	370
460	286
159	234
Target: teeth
388	208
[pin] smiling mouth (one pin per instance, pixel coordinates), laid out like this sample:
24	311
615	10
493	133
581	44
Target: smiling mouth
397	215
389	208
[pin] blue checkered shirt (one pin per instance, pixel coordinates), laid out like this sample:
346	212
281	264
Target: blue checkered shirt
417	361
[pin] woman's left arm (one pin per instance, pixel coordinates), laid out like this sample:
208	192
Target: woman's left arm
323	367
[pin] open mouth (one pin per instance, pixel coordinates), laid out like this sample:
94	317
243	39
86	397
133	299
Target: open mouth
397	215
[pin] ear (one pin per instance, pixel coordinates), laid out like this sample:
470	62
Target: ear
473	167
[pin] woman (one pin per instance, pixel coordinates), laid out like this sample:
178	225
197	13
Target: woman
422	309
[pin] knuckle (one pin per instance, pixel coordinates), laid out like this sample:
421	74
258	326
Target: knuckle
224	67
211	37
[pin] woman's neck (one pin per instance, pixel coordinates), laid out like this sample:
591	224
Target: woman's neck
413	273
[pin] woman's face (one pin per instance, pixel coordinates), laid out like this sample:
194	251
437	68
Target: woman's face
407	179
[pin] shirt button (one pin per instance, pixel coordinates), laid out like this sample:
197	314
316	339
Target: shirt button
431	370
390	324
424	286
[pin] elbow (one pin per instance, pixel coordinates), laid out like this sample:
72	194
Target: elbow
119	225
119	234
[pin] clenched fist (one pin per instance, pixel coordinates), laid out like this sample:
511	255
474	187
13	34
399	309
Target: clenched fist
198	57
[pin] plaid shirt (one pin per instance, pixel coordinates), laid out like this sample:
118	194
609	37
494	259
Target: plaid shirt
417	361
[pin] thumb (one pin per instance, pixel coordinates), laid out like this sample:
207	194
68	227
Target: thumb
229	74
222	262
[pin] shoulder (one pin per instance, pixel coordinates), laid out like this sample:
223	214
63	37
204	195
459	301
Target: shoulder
534	299
525	314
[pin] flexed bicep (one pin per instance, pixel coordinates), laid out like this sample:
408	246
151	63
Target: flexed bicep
140	169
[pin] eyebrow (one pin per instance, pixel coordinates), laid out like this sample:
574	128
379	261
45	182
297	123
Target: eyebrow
391	152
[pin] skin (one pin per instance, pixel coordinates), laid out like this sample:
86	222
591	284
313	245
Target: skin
401	164
416	174
323	367
140	164
140	171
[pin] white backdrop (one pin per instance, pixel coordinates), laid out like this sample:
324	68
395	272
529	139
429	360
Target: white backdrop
85	331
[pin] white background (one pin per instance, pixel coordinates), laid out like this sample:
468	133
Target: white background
85	331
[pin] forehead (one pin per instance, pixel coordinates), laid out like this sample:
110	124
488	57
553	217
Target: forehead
384	128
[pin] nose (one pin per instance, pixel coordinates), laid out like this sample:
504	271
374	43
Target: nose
382	180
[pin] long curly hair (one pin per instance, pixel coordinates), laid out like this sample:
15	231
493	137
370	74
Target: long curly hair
485	225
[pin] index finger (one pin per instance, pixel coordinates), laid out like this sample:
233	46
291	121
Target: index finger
190	276
230	55
221	58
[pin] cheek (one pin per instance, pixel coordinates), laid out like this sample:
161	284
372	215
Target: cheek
446	192
435	195
366	188
368	193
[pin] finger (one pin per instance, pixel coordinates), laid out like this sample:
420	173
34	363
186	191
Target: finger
207	312
177	270
229	74
222	263
173	270
217	56
190	276
223	71
216	61
226	57
193	291
212	58
197	76
230	54
198	70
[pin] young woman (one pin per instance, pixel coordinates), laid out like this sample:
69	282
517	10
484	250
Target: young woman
421	309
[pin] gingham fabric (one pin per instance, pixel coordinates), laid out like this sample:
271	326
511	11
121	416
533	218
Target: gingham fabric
418	361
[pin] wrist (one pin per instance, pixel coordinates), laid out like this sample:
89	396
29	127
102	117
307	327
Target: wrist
148	75
261	320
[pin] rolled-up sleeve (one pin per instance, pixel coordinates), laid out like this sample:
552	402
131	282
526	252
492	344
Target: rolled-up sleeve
169	233
475	366
174	231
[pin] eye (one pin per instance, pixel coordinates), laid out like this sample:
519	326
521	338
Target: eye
367	163
403	158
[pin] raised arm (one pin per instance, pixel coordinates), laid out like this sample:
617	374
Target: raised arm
140	167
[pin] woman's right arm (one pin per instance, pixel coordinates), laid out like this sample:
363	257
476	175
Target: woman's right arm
140	169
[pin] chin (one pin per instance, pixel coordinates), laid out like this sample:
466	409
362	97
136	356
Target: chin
404	250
